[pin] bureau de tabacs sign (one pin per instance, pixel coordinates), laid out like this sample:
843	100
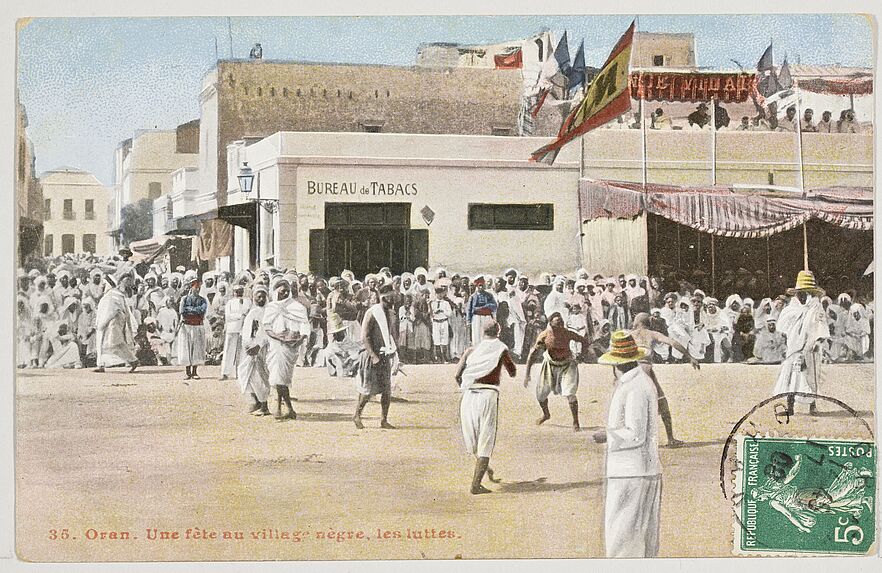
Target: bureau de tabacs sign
369	189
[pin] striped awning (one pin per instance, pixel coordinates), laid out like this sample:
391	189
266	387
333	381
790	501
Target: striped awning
727	211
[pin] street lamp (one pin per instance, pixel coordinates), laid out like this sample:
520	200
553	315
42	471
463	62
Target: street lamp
246	185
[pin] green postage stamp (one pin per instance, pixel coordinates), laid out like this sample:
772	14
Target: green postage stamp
799	495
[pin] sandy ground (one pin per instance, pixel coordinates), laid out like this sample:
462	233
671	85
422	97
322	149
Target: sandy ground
131	453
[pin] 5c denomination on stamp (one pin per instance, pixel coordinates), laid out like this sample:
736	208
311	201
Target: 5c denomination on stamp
798	495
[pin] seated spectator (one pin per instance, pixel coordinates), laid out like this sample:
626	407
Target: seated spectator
699	118
759	123
847	123
789	121
825	125
745	124
771	345
721	116
637	122
65	351
660	120
806	124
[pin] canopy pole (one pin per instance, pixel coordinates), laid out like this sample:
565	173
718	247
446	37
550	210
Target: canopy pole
768	267
805	260
645	176
713	126
678	245
713	268
581	222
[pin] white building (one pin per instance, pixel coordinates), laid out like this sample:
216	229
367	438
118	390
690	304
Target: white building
75	213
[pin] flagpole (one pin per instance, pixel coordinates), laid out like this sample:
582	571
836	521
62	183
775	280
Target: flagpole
713	127
579	188
645	175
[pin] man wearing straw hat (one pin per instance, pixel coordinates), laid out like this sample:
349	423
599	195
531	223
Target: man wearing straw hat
478	377
803	322
633	470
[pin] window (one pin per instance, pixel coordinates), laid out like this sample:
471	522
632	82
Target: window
67	244
68	210
47	246
89	243
372	126
501	131
154	190
515	217
47	209
658	60
90	209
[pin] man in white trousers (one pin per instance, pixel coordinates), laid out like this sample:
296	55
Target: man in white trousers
478	377
252	370
633	470
235	311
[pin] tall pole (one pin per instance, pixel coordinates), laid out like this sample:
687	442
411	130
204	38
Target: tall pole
645	175
713	151
801	177
230	32
579	190
713	268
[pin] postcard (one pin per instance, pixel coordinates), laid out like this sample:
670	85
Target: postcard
336	288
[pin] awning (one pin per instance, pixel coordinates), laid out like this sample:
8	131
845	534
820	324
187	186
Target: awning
692	86
856	85
728	211
152	247
241	214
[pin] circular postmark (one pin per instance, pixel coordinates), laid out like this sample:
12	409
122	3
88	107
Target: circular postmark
790	469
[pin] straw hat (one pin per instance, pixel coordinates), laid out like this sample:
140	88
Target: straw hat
623	349
805	282
335	323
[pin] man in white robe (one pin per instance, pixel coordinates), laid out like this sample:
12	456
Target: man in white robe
478	377
633	469
234	313
804	324
252	370
286	322
115	326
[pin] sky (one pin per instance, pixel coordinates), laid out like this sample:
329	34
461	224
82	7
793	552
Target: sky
89	83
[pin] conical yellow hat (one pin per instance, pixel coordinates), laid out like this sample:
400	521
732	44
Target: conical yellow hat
805	281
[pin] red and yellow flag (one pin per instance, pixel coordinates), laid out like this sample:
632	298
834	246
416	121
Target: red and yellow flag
607	98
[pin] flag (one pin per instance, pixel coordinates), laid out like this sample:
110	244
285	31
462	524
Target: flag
785	82
510	61
607	97
554	74
765	62
577	72
767	81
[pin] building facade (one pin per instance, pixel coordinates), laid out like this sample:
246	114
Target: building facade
144	164
75	213
28	193
476	204
663	50
252	99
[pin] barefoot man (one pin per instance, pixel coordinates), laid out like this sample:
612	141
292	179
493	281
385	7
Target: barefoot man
252	371
375	364
560	372
478	378
287	326
647	339
115	326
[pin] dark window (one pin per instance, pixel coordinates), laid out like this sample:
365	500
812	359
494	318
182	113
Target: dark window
284	92
67	244
260	91
68	210
372	128
272	92
541	48
501	131
658	60
154	190
89	243
90	209
47	209
537	217
47	246
370	215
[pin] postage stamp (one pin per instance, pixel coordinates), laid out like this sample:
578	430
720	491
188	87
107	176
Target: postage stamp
800	495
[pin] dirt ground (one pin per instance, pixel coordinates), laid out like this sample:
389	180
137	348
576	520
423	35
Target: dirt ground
149	452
